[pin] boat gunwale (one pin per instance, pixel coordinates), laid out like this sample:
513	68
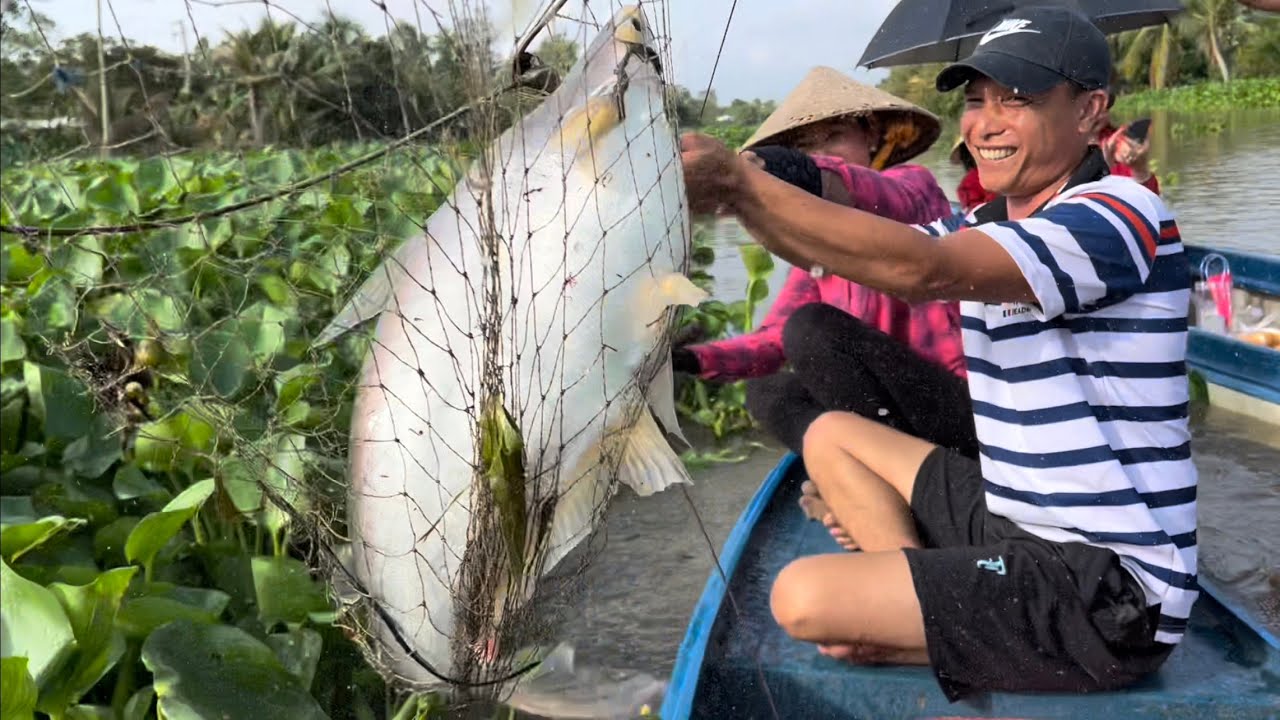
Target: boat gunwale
687	673
686	676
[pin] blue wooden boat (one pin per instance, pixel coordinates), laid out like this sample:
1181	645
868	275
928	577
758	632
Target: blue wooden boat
735	662
1241	376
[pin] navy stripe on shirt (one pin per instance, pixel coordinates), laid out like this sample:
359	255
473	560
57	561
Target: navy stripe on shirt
1077	366
1078	410
1109	498
1084	324
1086	456
1065	282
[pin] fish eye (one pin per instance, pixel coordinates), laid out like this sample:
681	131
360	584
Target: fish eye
635	23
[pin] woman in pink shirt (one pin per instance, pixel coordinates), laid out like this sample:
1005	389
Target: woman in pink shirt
849	348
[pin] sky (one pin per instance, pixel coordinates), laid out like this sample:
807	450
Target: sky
771	44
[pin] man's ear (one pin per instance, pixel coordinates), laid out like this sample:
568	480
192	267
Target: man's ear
1091	110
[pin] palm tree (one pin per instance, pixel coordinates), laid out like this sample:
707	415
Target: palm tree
1153	49
1213	25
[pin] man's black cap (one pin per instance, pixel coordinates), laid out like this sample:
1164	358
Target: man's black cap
1034	49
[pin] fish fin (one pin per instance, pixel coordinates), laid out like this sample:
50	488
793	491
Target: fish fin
660	293
662	400
582	128
576	509
649	465
372	297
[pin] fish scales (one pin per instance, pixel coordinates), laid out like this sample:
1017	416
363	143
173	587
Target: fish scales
588	199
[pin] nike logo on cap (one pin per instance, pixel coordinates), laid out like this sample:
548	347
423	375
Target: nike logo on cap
1007	27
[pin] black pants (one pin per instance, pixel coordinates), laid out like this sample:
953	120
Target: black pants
1007	611
840	363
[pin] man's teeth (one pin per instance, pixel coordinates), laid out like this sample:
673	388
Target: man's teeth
995	153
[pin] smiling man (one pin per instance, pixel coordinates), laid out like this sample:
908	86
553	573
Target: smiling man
1065	559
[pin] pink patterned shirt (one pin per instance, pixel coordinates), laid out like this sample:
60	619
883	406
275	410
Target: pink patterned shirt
906	193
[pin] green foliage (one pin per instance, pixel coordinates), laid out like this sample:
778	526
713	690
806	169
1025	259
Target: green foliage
1207	97
156	391
721	407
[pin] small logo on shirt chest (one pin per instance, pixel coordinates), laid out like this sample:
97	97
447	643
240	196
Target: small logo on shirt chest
1013	309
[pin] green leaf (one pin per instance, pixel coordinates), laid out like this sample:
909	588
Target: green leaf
220	360
11	415
17	265
50	388
292	383
273	169
11	345
33	625
277	290
758	261
218	671
107	193
92	611
286	591
18	700
240	484
299	652
163	603
139	706
158	528
90	712
263	329
285	477
163	444
81	261
142	312
130	482
94	453
154	179
110	539
53	307
17	540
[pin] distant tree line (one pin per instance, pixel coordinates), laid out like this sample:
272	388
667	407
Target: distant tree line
1214	40
279	84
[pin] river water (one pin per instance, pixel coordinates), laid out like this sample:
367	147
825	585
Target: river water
641	589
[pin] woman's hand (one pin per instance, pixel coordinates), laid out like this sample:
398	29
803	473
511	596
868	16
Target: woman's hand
1123	149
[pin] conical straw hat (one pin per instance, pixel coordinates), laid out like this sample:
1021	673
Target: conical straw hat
826	93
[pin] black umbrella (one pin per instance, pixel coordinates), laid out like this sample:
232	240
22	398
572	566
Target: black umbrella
930	31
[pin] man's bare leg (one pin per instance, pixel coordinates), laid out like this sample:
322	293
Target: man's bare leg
864	473
856	607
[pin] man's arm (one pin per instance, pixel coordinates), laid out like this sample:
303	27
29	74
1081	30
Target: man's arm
889	256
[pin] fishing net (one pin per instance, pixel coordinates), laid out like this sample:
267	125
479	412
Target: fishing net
284	268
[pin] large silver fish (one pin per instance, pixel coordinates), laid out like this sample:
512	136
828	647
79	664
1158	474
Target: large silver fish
588	197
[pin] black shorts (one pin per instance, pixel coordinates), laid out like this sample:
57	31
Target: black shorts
1005	610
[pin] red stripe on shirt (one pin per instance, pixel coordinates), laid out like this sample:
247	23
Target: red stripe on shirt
1140	225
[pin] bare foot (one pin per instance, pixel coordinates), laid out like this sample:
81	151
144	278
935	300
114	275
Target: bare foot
838	532
812	503
816	509
874	655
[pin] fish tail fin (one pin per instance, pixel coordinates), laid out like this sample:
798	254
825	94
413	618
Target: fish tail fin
649	465
662	400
